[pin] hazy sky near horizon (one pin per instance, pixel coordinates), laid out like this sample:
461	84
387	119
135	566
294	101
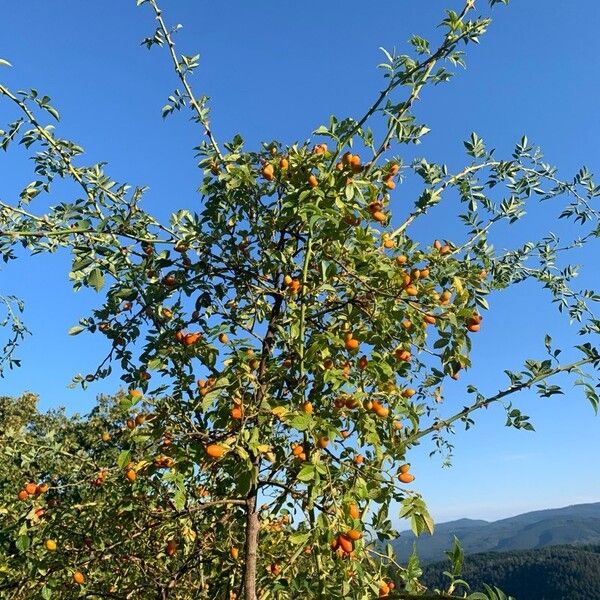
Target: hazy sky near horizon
279	69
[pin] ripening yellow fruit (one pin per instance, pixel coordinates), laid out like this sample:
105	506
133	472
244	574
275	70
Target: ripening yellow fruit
105	436
353	511
223	338
308	408
51	545
79	577
234	552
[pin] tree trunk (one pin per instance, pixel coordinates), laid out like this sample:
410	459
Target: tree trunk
252	527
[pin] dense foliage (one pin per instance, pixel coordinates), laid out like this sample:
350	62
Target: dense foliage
283	347
552	573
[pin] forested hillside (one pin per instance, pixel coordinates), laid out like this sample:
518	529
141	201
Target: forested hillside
573	525
552	573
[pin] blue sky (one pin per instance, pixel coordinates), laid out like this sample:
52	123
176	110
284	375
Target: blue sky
278	69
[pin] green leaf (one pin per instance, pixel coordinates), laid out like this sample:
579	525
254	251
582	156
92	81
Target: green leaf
96	279
22	543
76	329
307	473
124	459
46	592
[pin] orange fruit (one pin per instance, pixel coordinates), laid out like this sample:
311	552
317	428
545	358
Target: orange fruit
236	413
353	511
131	475
284	164
171	548
287	280
320	149
215	450
42	488
403	355
389	183
402	259
474	328
130	424
140	419
22	495
408	393
234	552
381	411
351	344
308	408
355	164
313	181
268	172
384	590
191	338
223	338
411	290
50	545
406	324
31	488
345	434
445	249
429	319
389	243
353	535
345	544
394	169
105	436
406	477
424	273
322	442
347	158
437	245
379	216
405	468
79	577
359	459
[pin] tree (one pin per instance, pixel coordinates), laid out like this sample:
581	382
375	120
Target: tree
289	345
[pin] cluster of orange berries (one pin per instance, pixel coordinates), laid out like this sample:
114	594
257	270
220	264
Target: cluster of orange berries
402	355
352	161
205	386
298	451
276	525
132	423
163	462
376	210
188	339
32	489
292	284
345	402
442	248
404	474
474	323
343	544
385	588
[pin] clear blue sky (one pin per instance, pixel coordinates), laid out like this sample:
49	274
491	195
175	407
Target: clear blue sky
278	69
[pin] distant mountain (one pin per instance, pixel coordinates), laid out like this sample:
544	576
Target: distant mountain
575	525
552	573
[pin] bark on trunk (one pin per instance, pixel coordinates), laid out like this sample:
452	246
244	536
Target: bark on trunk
252	527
